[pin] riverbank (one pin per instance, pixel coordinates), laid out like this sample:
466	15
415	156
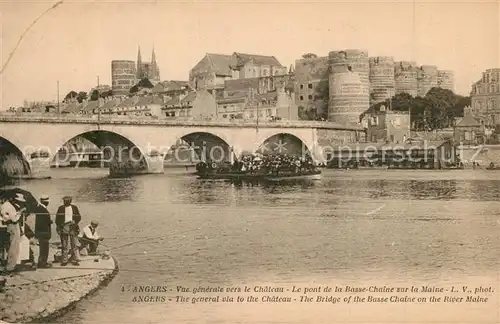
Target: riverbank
44	294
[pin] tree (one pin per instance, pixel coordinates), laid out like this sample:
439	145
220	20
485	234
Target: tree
94	96
134	89
106	94
71	95
436	110
302	113
82	95
462	102
309	55
145	83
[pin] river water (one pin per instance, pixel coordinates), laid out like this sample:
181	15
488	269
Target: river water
358	228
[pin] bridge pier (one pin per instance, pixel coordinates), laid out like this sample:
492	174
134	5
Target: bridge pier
39	163
127	161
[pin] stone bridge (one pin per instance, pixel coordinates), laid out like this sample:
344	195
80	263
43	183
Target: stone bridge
38	138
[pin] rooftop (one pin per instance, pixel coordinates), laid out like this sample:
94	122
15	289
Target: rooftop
469	121
243	58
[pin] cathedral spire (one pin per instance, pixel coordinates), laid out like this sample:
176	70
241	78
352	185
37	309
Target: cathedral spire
139	63
154	67
153	56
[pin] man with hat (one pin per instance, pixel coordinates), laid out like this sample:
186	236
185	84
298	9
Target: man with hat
67	219
89	238
11	212
43	231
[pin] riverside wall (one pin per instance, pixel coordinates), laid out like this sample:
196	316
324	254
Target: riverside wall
45	300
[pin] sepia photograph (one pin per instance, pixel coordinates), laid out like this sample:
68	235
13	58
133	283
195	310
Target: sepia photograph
256	162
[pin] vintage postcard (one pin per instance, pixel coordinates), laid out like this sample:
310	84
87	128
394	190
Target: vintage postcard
249	162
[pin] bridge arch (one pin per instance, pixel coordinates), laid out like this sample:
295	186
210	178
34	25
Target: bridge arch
13	158
112	144
284	143
199	145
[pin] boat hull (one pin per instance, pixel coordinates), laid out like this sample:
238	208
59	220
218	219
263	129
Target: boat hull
293	178
258	177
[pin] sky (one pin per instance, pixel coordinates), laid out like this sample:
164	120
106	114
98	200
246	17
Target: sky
75	42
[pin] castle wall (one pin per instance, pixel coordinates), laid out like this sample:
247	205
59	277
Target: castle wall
382	83
405	77
311	83
446	80
427	77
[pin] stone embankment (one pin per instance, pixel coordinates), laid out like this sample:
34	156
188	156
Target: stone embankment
45	294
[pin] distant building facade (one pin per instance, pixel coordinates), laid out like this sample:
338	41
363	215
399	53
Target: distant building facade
263	98
388	126
470	130
485	97
214	69
311	88
145	105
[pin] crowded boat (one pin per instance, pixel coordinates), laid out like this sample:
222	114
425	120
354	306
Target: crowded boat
263	167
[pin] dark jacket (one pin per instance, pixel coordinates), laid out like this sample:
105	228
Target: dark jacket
43	223
60	215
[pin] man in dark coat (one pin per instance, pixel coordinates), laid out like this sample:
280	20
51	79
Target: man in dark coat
43	231
67	219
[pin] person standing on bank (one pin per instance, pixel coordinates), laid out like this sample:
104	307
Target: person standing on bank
43	231
11	213
67	219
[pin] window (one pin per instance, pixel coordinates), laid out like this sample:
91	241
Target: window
301	98
392	138
310	86
302	86
309	97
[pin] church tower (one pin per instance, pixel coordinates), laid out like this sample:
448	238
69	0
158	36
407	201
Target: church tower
139	64
155	71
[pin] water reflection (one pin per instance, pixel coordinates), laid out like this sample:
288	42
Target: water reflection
439	189
108	190
339	228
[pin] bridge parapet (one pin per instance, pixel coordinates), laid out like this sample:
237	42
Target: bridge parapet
152	121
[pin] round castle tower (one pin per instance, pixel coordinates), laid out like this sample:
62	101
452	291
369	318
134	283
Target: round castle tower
122	76
427	77
405	77
382	83
349	85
